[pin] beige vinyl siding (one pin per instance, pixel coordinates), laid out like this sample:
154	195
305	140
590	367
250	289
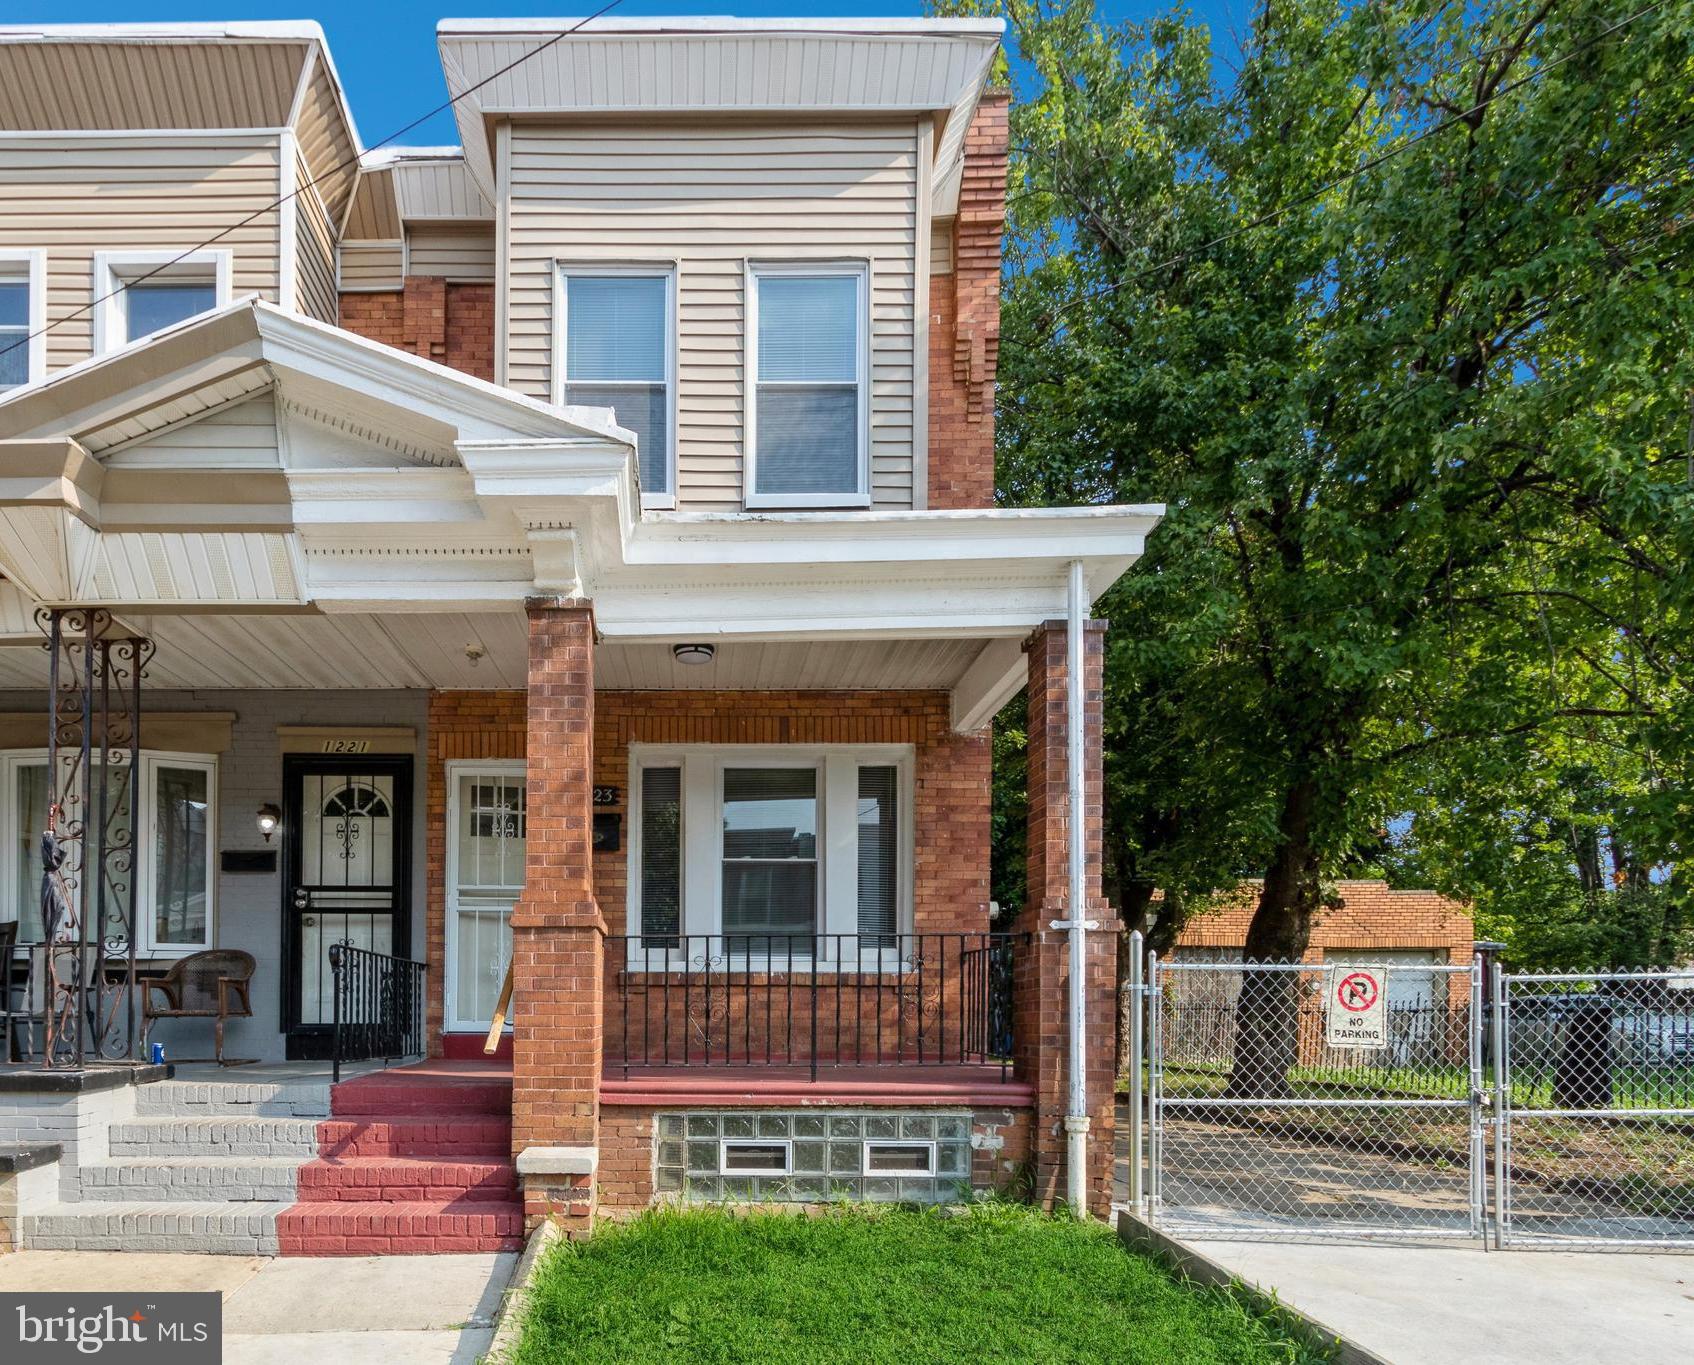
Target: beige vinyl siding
711	198
371	266
315	257
74	197
123	85
941	246
462	252
239	436
326	143
374	216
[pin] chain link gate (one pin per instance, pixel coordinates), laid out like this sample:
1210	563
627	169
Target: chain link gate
1555	1109
1595	1096
1263	1127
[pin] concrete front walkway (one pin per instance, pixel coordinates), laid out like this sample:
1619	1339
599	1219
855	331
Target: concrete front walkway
1444	1305
341	1310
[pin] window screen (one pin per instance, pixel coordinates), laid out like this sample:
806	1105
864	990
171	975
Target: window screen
879	853
153	305
661	856
807	396
181	809
770	856
617	333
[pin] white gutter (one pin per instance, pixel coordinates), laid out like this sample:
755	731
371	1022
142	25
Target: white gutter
1076	1119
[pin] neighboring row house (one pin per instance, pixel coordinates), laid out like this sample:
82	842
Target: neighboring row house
553	581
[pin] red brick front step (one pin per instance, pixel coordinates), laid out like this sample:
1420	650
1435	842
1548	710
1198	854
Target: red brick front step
411	1162
399	1229
406	1180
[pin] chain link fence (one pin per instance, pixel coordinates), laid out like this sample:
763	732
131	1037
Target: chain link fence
1594	1146
1301	1102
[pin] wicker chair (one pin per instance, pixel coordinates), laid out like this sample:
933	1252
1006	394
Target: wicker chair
209	985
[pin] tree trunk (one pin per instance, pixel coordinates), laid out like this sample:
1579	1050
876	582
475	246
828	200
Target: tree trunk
1267	1015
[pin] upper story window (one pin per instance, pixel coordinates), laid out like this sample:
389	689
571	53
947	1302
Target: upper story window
22	317
143	292
618	328
808	418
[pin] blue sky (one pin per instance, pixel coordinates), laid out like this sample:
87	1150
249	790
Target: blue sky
385	49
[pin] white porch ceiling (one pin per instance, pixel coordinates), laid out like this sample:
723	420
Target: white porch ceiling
420	650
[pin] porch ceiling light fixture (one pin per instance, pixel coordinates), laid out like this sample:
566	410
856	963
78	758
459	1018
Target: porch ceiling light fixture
269	817
694	654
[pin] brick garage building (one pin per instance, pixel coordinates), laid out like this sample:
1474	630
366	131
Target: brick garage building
1371	919
1407	932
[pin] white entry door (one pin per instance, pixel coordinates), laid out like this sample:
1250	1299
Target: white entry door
485	871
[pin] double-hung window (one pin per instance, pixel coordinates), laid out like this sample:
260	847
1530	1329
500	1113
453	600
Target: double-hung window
771	850
808	414
23	318
172	844
617	353
138	293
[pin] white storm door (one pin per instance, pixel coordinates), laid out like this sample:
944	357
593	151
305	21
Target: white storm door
485	874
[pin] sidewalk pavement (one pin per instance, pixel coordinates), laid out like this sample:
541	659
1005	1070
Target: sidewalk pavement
332	1310
1451	1305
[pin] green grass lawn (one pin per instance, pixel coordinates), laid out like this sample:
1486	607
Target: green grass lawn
995	1282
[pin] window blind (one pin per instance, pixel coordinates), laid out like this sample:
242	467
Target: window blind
807	400
616	338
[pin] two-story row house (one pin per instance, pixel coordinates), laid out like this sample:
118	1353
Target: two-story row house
545	587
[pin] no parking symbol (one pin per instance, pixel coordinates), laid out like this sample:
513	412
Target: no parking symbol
1356	1007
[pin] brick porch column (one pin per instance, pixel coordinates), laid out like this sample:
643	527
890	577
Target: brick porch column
558	935
1041	974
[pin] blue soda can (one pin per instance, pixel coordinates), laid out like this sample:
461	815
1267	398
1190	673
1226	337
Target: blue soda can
158	1053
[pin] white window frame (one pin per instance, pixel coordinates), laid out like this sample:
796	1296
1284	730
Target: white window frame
151	761
29	264
872	1144
144	830
838	841
646	270
787	1145
112	269
502	769
757	270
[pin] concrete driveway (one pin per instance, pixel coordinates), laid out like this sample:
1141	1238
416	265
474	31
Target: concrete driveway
1447	1305
333	1310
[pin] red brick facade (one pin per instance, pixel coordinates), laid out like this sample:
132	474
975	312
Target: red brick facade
451	324
950	812
964	323
1042	963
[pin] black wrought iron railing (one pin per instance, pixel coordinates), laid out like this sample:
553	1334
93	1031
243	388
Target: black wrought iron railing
701	1000
379	1006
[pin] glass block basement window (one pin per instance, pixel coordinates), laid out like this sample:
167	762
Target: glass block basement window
834	1154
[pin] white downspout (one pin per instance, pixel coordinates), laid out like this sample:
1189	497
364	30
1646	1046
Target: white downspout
1076	1118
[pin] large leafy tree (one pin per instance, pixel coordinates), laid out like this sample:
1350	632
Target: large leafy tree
1395	315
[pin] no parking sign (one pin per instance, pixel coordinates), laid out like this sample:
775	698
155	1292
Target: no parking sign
1356	1007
